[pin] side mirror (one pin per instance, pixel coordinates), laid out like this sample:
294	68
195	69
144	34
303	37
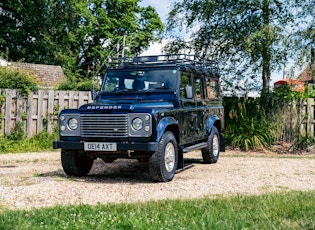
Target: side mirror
93	94
189	92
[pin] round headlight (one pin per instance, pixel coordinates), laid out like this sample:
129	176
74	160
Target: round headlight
73	123
137	124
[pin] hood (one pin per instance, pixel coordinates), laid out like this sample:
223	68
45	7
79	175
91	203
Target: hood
125	105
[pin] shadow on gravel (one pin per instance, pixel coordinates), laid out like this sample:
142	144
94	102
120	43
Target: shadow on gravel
119	171
8	166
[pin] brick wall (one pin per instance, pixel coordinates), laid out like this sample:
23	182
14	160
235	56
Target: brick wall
48	76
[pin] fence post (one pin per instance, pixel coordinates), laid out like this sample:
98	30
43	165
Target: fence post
310	116
2	102
8	103
81	98
294	118
19	107
61	101
29	114
40	112
50	111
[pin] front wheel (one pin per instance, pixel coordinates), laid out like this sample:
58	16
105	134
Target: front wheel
74	163
163	162
211	153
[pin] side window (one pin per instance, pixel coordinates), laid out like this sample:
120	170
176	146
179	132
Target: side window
213	88
198	88
184	81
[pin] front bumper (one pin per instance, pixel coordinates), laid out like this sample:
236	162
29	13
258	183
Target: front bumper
147	147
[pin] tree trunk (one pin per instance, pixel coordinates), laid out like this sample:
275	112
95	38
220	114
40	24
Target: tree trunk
266	73
266	52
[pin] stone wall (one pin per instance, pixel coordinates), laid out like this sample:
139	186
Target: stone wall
48	76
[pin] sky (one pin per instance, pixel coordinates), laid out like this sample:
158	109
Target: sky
162	7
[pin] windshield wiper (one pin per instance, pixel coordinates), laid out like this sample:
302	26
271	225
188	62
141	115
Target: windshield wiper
118	91
162	87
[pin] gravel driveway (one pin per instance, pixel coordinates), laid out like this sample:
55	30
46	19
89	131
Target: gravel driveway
37	179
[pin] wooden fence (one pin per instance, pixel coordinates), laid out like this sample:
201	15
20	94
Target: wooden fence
301	116
294	119
37	111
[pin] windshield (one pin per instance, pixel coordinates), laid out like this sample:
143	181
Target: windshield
139	80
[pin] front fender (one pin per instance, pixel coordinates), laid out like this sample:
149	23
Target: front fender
210	122
163	124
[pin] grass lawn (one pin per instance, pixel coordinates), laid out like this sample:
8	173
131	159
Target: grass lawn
285	210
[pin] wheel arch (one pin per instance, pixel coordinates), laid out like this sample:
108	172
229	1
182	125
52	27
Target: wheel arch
213	121
167	124
170	124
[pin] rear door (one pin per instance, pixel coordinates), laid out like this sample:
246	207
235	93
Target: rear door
200	106
192	109
187	116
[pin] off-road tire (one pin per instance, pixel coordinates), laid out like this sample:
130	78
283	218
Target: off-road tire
163	162
211	153
75	164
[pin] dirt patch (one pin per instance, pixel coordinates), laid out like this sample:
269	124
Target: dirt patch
37	179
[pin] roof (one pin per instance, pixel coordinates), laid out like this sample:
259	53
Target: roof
306	75
294	84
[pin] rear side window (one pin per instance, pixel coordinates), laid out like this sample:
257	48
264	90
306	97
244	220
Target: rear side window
213	90
198	88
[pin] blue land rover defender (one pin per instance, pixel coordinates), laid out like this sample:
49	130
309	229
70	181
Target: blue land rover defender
152	108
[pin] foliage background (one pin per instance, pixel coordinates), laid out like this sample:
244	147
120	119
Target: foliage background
79	35
260	123
249	38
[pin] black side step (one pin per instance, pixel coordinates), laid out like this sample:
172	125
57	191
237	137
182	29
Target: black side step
195	147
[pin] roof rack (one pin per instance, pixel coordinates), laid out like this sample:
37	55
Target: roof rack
184	60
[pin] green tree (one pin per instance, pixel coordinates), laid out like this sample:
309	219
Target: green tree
248	37
76	34
114	19
40	31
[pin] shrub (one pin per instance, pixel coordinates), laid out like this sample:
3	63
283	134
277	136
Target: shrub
248	126
310	91
17	133
259	123
302	142
13	79
285	92
83	85
37	143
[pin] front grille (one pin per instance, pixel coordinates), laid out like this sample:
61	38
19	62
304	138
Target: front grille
104	125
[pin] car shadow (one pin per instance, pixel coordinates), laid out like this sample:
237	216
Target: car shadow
119	171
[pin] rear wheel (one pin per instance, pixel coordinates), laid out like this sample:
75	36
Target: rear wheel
163	163
211	153
74	163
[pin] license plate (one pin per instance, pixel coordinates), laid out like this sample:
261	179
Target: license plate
100	146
